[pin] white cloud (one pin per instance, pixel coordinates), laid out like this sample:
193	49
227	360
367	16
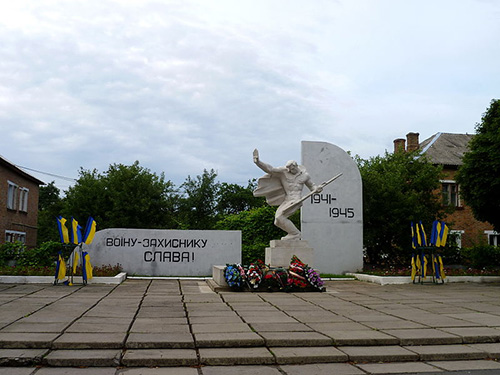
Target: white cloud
184	86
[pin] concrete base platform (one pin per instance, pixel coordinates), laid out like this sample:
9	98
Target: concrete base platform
280	253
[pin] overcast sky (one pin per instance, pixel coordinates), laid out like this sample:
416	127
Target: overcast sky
184	86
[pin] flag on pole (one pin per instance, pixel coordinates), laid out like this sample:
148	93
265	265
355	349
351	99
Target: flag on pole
60	268
87	267
63	230
76	232
414	240
90	230
76	258
423	237
443	234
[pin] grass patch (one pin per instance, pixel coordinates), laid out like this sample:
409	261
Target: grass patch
335	276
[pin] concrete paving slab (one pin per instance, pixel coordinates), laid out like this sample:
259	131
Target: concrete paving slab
305	355
224	340
210	313
296	339
22	340
90	341
161	321
315	317
281	327
172	340
17	370
483	319
443	321
394	324
447	352
36	327
344	326
240	370
220	328
160	357
21	357
97	327
90	358
476	334
428	336
158	371
386	353
236	356
492	350
467	365
146	327
76	371
215	319
270	318
361	338
397	368
322	369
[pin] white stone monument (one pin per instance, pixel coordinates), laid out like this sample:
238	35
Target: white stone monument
162	252
282	187
332	221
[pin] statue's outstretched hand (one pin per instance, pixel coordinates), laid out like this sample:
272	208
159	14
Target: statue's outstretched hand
255	156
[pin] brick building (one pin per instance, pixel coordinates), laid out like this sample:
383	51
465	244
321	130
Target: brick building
18	204
447	150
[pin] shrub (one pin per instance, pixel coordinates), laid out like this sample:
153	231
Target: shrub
43	256
481	256
10	251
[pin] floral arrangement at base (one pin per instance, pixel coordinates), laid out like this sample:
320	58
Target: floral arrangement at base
260	277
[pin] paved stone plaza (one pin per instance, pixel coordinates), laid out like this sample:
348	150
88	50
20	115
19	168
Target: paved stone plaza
182	327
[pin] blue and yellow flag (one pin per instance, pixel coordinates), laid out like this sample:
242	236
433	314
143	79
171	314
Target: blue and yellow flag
87	267
63	231
421	237
60	268
76	232
90	230
414	241
443	234
76	258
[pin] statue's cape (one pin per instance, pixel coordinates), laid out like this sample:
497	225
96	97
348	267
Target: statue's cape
269	186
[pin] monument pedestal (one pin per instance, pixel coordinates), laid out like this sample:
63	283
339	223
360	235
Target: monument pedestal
281	252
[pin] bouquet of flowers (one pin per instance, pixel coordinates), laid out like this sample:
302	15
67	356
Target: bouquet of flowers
254	275
234	276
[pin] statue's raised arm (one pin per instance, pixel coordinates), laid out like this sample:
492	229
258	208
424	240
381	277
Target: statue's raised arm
264	166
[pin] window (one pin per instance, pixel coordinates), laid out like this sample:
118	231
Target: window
493	237
23	199
15	236
450	193
456	237
12	195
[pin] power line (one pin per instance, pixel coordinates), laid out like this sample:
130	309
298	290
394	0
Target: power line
48	174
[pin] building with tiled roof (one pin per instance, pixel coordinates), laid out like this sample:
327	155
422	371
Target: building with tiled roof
447	150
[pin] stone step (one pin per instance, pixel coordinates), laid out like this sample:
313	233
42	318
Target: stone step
242	335
247	356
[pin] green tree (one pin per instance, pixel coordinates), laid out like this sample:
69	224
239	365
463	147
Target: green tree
397	188
257	230
197	207
50	205
479	176
234	198
122	197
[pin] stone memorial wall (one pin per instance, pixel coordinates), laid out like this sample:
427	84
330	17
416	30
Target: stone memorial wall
332	221
160	252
